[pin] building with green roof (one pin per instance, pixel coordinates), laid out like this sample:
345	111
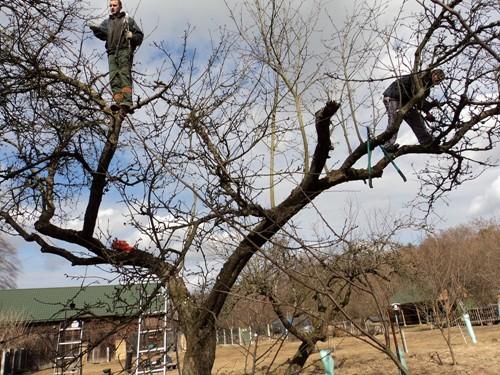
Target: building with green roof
36	319
48	305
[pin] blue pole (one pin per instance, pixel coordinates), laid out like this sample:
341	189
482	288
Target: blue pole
468	325
327	360
403	361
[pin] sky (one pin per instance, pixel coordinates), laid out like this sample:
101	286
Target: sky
166	20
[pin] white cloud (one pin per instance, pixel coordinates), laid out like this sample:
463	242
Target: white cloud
488	202
166	20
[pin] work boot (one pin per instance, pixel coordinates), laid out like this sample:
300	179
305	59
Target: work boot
114	107
126	108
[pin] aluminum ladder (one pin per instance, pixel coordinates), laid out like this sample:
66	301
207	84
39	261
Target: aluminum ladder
152	343
69	349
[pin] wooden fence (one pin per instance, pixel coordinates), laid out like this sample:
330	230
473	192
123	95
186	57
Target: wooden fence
485	315
13	361
243	336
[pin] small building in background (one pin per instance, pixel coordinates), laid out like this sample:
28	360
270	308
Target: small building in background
32	319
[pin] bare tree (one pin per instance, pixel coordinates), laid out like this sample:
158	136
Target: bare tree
482	248
450	268
277	280
14	329
189	169
279	37
313	287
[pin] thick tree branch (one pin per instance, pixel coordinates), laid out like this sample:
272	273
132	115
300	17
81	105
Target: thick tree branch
100	176
276	218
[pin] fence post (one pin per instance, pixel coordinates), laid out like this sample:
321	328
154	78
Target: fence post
5	369
232	336
15	361
23	361
224	336
403	316
479	316
239	336
418	315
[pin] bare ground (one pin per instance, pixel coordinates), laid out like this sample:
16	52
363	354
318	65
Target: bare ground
353	357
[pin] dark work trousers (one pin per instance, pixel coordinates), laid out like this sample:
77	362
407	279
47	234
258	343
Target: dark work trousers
412	118
120	76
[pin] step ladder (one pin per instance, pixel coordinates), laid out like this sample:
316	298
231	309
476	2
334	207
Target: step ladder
153	341
69	349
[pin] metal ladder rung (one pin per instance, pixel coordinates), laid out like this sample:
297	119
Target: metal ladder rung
147	326
162	349
63	359
62	372
70	342
150	371
151	331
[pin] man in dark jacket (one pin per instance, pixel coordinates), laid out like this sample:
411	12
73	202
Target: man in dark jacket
399	93
122	36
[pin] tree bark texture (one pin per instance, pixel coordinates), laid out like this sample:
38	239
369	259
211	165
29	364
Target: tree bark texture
200	353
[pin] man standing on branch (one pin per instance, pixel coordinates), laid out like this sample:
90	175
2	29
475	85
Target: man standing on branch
399	93
122	36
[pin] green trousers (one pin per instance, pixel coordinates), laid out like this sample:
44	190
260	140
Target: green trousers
120	76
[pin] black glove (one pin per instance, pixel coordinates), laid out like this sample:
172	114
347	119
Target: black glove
92	25
435	103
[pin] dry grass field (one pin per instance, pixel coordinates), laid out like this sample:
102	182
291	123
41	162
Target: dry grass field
355	357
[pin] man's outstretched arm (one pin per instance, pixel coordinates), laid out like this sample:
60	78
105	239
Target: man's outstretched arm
100	31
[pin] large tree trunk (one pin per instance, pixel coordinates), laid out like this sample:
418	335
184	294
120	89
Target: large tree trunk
197	326
299	359
200	352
